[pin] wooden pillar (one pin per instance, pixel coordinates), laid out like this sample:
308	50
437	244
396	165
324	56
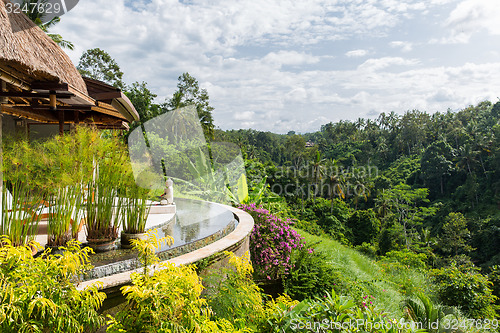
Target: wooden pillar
3	100
60	114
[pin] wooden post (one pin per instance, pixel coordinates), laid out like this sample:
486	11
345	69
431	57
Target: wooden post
60	114
2	101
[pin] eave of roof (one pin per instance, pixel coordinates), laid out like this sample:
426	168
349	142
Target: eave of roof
104	92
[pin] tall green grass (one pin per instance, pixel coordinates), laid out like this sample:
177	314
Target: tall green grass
385	285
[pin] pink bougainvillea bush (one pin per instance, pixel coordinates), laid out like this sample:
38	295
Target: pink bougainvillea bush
271	243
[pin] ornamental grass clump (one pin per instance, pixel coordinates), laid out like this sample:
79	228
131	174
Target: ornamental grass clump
20	214
271	243
64	215
102	224
135	211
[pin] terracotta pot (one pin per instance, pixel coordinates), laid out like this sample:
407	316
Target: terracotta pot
101	245
126	238
34	249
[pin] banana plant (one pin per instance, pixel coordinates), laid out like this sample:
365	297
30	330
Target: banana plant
207	183
256	194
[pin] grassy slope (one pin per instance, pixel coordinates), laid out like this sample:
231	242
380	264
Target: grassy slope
387	286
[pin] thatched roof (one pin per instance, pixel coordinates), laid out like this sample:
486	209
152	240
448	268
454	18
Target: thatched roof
37	69
28	54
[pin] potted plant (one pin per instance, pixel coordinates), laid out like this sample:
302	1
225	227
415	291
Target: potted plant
64	216
20	215
135	211
102	220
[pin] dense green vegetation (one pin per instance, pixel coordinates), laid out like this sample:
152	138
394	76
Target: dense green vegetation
428	183
413	185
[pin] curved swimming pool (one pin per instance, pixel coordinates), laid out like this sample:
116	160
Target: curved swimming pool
194	225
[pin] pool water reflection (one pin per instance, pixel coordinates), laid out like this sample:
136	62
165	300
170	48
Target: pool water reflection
196	224
194	220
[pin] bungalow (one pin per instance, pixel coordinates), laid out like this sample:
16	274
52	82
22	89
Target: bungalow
41	91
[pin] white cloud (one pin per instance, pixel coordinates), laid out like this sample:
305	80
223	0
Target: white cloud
268	64
356	93
470	17
293	58
381	63
356	53
247	115
404	46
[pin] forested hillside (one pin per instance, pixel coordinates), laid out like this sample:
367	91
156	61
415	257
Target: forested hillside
428	183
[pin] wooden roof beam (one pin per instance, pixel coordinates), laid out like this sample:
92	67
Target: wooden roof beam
27	112
23	94
55	86
65	107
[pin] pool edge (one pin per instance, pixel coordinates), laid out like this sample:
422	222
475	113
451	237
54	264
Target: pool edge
237	242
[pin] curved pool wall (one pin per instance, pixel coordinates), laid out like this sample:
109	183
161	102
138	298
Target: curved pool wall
226	235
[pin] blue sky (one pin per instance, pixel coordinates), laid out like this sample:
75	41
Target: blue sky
297	64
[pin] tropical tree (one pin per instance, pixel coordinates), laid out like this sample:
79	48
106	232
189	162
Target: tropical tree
142	98
318	170
466	157
455	236
189	93
97	64
37	16
364	226
436	163
336	182
407	206
295	147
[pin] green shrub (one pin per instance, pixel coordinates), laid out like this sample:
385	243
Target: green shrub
310	226
494	277
335	228
278	314
334	313
407	258
468	290
391	238
368	249
364	226
165	300
39	295
311	275
232	294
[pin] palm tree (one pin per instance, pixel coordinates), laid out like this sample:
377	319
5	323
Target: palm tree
317	170
180	124
335	182
383	204
189	93
467	156
37	17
